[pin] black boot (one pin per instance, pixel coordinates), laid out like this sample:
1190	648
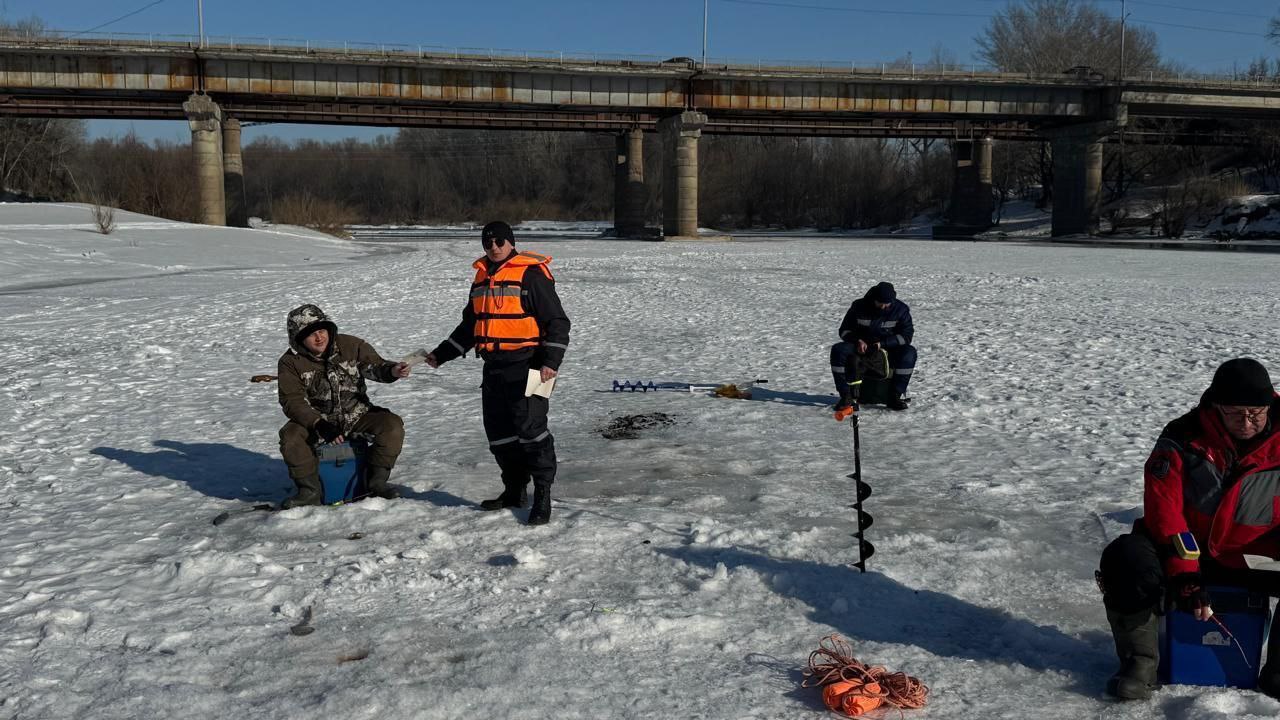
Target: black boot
845	407
541	512
309	492
375	480
1137	645
1269	678
511	497
896	402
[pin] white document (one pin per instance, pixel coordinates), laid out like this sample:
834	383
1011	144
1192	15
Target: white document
535	386
417	357
1262	562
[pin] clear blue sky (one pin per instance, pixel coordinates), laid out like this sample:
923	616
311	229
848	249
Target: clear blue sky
1216	36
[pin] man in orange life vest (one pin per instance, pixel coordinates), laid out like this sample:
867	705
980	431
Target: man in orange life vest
515	322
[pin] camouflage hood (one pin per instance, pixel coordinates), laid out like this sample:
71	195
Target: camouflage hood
303	319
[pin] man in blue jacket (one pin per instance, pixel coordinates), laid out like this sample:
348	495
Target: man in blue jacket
874	321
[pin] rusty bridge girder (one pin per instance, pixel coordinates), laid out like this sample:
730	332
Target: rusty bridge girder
88	79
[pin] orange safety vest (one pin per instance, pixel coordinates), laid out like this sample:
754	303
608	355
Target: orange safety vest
501	320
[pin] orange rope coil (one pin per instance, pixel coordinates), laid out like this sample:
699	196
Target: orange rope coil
851	688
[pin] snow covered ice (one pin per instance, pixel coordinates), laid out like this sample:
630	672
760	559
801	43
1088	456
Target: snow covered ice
686	573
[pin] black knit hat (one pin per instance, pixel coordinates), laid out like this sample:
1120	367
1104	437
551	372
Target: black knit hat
497	230
1242	381
883	292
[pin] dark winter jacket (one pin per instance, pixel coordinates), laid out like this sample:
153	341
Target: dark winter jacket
864	321
1224	491
332	385
530	281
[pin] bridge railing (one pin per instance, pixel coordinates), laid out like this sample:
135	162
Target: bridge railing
895	69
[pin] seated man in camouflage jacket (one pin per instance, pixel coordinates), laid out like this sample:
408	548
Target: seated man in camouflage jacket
323	394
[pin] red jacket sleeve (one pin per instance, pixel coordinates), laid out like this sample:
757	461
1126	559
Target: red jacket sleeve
1162	504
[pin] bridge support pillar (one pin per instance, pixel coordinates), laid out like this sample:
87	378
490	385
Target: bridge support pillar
971	202
1077	179
233	174
680	134
205	118
629	195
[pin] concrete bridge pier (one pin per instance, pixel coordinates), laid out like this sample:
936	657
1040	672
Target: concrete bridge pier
205	118
1077	178
233	174
629	194
680	135
971	201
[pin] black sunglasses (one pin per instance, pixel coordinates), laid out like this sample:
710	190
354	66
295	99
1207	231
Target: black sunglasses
490	242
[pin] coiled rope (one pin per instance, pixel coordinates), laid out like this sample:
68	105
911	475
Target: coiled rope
852	688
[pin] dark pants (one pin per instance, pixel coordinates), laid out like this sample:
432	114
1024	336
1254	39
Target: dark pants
1133	575
516	426
845	366
297	443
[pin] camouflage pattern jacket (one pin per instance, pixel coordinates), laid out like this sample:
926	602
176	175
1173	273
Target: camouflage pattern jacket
331	386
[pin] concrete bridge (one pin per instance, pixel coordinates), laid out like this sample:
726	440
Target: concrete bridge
216	87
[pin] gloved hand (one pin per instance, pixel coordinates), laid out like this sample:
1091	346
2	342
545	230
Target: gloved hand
328	431
1188	593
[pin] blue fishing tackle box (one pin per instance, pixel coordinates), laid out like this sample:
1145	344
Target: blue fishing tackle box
342	469
1199	652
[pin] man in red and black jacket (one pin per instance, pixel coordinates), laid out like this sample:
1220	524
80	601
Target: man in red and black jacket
514	321
1215	474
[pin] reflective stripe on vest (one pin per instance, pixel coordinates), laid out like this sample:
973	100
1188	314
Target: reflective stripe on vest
501	320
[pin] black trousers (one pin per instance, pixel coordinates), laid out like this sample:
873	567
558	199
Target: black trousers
845	366
516	426
1133	578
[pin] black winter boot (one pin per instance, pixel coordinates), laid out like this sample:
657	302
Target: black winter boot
309	493
1269	678
511	497
375	480
541	512
1137	645
896	402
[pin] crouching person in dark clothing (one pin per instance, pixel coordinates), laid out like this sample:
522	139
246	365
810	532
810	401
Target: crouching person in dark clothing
1215	475
874	321
514	320
322	390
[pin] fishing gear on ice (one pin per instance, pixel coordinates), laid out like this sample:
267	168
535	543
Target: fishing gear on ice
853	688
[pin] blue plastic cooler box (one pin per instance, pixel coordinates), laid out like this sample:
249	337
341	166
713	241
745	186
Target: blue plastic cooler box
341	471
1195	652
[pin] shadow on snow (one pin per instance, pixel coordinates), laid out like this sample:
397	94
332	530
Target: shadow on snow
880	609
214	469
231	473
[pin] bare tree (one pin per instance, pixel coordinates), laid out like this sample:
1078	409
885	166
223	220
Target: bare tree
35	153
104	216
1050	36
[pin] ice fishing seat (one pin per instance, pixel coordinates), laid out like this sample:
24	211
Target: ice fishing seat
874	383
1198	652
342	470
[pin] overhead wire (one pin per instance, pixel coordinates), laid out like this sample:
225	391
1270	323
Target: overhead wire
922	13
1187	8
1196	27
867	11
122	17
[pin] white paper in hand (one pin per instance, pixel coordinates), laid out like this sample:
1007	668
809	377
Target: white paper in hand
1262	562
416	357
535	386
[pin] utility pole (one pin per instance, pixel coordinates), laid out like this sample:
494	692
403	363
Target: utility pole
200	15
1123	16
704	33
1120	178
